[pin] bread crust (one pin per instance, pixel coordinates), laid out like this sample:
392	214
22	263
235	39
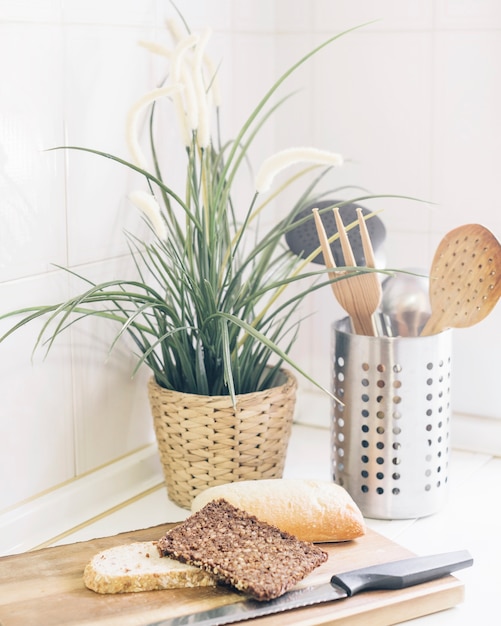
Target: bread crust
311	510
138	567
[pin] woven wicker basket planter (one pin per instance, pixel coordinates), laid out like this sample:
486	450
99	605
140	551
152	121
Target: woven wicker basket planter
203	441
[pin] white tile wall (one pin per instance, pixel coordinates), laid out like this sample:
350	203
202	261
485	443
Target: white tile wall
385	14
111	13
36	425
412	100
31	187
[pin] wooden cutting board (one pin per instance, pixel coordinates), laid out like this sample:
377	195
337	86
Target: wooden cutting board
45	587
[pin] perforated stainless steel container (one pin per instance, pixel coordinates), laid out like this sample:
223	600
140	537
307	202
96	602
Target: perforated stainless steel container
391	439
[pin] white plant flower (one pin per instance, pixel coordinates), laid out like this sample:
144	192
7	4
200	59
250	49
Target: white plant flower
188	42
175	29
191	100
186	108
291	156
201	88
203	134
133	120
148	205
156	48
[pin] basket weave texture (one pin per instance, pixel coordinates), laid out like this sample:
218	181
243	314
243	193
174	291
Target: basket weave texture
204	441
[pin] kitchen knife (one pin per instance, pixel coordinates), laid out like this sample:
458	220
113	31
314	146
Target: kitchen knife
394	575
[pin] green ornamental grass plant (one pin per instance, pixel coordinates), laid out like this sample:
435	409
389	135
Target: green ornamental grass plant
209	312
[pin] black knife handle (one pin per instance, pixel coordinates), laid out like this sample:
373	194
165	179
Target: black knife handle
401	574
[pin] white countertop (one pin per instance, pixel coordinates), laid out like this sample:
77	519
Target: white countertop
469	520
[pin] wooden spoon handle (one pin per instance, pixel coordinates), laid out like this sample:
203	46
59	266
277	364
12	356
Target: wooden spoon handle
324	241
330	263
370	260
349	257
432	326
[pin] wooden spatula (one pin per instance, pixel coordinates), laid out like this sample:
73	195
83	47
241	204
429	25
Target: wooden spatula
465	279
358	294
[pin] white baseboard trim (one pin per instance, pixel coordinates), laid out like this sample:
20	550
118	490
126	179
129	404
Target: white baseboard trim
476	434
67	506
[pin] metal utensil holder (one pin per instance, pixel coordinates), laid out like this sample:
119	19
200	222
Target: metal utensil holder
391	439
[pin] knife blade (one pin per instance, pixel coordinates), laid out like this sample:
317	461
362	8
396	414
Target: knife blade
394	575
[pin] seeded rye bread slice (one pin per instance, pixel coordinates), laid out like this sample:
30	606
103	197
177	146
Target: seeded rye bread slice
242	551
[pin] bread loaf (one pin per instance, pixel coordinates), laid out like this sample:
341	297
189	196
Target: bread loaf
316	511
138	567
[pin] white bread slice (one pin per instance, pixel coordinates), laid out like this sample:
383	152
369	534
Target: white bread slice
311	510
139	567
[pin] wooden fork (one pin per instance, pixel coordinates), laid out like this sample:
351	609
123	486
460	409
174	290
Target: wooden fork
359	294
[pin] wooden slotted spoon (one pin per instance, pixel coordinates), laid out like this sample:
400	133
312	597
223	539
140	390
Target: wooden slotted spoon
465	279
360	294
